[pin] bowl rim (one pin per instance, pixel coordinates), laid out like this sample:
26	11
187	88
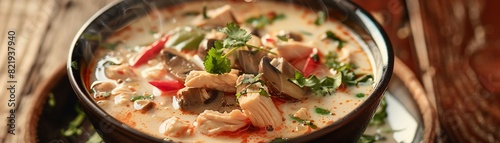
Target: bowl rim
377	93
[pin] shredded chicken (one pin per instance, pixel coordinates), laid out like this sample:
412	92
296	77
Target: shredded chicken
213	122
201	79
260	109
175	127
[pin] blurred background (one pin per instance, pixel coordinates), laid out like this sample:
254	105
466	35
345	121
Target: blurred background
452	46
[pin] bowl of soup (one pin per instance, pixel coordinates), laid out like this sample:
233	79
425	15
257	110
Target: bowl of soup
230	71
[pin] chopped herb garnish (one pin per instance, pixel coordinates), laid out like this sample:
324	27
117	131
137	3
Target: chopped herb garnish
262	21
347	70
279	140
330	35
142	97
74	125
74	65
263	92
204	13
324	86
95	138
305	122
360	95
250	82
253	80
380	114
52	100
322	111
321	18
191	13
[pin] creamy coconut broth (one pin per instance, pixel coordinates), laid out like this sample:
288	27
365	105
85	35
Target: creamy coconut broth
153	74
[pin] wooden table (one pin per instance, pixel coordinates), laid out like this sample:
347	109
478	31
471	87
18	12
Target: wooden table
44	30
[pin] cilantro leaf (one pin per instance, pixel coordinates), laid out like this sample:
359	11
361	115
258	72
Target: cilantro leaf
330	35
263	92
235	37
215	62
360	95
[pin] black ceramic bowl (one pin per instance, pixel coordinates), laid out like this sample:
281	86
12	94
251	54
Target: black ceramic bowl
120	13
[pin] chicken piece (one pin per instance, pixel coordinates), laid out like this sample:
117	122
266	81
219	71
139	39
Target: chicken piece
260	109
201	79
216	17
175	127
213	122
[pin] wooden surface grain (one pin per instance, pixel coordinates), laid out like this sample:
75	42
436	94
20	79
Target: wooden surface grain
44	31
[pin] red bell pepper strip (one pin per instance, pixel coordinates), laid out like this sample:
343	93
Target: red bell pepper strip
149	52
312	63
167	85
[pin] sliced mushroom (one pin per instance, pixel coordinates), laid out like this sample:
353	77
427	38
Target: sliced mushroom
177	65
248	61
143	105
197	100
276	75
216	17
